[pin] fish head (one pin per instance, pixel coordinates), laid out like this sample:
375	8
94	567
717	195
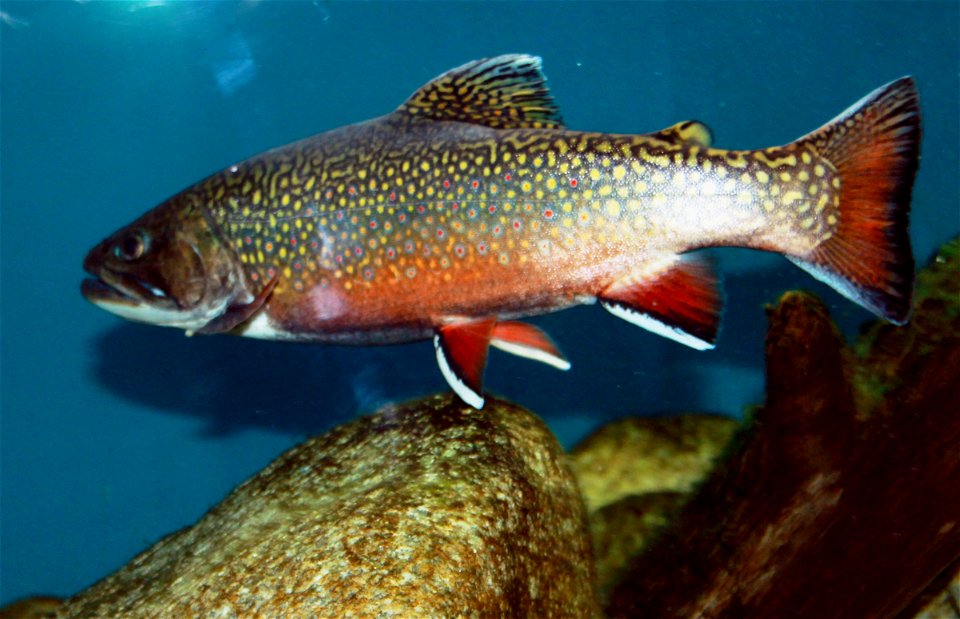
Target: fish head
170	267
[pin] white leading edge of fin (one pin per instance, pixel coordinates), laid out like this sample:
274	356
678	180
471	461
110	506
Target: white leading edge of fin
459	387
529	352
655	326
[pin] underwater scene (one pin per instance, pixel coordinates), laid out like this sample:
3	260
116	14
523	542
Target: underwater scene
538	171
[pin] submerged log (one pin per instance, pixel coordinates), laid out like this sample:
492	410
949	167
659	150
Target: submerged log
844	499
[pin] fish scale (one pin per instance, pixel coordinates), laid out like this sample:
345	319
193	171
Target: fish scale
472	205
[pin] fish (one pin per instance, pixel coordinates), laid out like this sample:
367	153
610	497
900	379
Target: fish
472	206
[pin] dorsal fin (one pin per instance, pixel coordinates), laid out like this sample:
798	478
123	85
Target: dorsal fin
506	92
688	131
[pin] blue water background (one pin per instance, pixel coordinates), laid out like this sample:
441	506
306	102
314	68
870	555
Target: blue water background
115	434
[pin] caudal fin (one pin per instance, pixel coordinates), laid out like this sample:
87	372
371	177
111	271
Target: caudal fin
875	147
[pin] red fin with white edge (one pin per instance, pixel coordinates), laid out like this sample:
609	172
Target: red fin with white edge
528	341
679	299
462	356
875	146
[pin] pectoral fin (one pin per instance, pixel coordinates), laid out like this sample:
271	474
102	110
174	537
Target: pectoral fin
678	298
239	313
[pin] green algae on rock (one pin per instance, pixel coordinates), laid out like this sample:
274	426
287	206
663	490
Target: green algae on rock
426	509
638	455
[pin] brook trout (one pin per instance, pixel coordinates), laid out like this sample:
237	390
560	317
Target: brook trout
471	206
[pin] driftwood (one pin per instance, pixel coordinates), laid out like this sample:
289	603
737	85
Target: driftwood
843	498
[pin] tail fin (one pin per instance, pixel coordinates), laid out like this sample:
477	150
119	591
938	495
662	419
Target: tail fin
875	147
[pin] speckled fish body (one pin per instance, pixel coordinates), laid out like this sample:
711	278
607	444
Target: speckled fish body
450	219
471	205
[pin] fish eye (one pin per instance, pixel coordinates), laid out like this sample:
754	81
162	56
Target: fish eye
133	246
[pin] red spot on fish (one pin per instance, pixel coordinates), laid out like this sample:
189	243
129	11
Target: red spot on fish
298	286
309	212
293	241
460	250
352	190
456	206
508	177
339	216
358	250
298	265
339	259
314	244
475	184
516	224
482	248
254	276
393	196
421	208
446	184
373	225
573	182
492	209
271	272
401	217
472	213
368	274
440	233
247	240
390	252
548	214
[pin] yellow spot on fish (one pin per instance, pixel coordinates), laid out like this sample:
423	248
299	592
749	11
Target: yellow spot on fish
613	209
819	170
619	172
822	202
791	196
763	177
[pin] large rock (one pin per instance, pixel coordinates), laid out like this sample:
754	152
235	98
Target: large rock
428	509
635	475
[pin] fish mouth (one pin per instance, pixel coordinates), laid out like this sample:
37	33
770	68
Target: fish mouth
123	289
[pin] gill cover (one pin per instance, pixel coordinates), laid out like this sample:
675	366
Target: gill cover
168	268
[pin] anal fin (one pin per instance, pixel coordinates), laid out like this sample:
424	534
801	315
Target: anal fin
678	299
